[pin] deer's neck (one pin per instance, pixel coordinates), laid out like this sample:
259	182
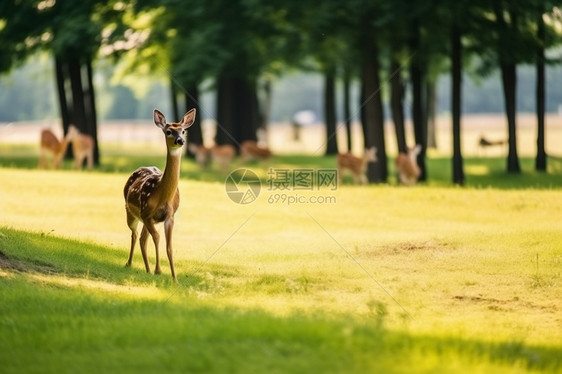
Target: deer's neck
169	183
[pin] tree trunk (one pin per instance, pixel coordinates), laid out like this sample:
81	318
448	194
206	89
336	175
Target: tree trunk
509	82
61	70
174	100
195	132
225	115
397	105
266	105
347	107
416	75
91	112
456	72
246	110
540	162
237	110
373	116
431	103
330	111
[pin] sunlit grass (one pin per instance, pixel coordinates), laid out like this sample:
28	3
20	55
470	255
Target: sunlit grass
436	278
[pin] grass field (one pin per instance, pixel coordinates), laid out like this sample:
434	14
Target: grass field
428	279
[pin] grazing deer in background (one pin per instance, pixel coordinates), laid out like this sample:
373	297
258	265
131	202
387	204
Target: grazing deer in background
202	154
223	155
357	165
249	149
484	143
407	167
50	144
82	147
152	196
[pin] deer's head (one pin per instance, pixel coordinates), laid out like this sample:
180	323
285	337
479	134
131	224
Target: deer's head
175	133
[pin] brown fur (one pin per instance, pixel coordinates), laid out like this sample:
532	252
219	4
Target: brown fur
50	145
356	165
407	167
249	149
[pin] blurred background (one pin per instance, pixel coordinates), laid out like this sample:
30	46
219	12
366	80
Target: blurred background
297	77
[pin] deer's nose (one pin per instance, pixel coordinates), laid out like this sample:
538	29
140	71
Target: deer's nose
179	141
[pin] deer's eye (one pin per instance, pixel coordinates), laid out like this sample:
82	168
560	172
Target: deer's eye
168	132
183	131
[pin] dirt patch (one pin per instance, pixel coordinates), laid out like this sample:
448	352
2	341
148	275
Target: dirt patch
12	264
416	246
504	305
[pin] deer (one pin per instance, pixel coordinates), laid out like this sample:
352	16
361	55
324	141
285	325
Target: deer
223	155
220	154
357	165
249	149
83	148
152	197
50	144
201	154
484	143
407	167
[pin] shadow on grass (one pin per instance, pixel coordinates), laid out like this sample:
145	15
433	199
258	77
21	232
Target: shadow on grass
68	328
43	253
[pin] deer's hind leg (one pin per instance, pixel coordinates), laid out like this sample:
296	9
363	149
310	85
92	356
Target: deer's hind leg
133	223
150	228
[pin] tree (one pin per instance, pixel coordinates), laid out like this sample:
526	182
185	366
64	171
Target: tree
540	160
456	74
72	32
417	71
371	102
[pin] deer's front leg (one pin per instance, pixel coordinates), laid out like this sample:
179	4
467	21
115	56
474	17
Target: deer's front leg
143	238
169	227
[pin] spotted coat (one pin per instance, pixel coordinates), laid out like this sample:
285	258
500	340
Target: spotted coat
138	189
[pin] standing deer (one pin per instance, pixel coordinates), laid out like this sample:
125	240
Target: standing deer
201	154
222	155
82	147
50	144
249	149
406	166
357	165
152	196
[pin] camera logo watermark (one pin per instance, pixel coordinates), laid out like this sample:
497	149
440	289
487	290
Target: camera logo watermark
243	186
286	186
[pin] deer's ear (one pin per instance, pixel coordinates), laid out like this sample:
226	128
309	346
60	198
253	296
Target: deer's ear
188	119
159	119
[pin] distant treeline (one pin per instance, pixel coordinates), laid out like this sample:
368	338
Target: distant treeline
28	93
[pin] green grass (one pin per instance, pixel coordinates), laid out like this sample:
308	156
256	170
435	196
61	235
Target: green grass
384	279
480	172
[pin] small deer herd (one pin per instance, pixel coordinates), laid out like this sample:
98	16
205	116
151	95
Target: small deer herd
82	147
407	168
222	155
